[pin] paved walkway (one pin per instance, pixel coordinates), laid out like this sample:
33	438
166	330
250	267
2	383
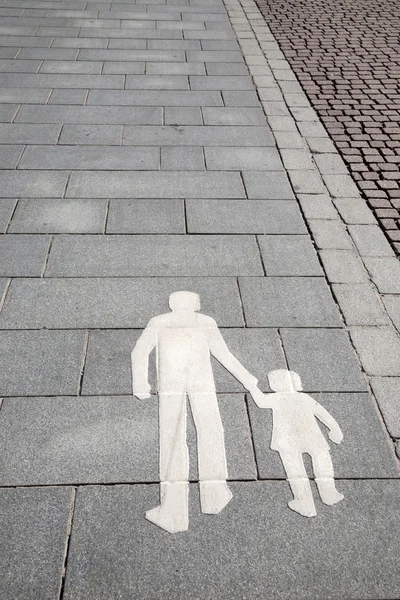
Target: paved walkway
149	148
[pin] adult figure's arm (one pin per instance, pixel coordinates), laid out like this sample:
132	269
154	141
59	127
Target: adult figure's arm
140	362
335	433
220	350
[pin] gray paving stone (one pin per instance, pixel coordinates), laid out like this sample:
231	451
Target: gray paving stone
71	67
233	116
126	68
343	266
17	31
8	52
378	349
43	184
106	135
146	216
31	21
102	115
88	441
112	303
132	55
103	543
370	240
330	164
9	156
366	450
210	35
288	302
34	524
130	256
272	185
128	44
355	211
319	145
7	206
22	256
243	216
67	97
197	136
152	98
149	184
297	159
330	235
3	287
179	158
225	68
23	39
173	45
182	116
240	99
360	304
385	273
19	66
285	139
175	68
392	305
341	186
219	45
306	182
387	393
28	96
221	83
24	80
140	34
40	362
238	158
7	112
79	43
180	26
48	54
325	360
59	216
18	133
317	206
90	157
289	255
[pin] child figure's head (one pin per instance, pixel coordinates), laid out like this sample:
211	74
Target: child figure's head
283	380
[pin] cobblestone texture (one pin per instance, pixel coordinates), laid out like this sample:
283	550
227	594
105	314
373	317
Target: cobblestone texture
346	56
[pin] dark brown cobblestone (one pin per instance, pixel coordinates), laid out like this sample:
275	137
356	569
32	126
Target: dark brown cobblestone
346	55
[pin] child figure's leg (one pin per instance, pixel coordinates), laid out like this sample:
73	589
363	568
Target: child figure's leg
303	501
324	477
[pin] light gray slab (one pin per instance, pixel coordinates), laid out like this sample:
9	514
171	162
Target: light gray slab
23	39
17	133
23	80
385	273
243	216
269	185
103	440
28	96
289	255
9	156
130	256
68	97
81	158
106	135
125	68
86	115
59	216
148	184
198	136
151	98
179	158
178	68
360	304
288	302
378	349
343	266
256	543
112	303
325	360
392	305
133	55
34	524
233	116
370	240
71	67
48	54
239	158
173	45
222	68
182	116
156	82
40	362
108	368
215	82
7	206
387	393
23	256
146	216
79	43
19	66
210	56
143	31
7	112
365	452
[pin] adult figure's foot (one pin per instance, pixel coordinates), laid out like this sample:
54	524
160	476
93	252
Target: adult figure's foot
173	512
214	496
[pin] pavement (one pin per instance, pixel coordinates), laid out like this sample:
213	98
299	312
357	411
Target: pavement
154	147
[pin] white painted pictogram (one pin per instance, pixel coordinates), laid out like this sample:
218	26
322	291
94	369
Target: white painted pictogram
184	341
295	432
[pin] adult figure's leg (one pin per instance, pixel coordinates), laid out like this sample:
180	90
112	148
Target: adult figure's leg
324	476
213	473
303	501
173	512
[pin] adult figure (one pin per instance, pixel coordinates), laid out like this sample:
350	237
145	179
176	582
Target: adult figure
184	341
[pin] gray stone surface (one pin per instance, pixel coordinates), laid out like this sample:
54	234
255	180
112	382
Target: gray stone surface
360	304
317	206
324	358
236	159
108	370
341	186
13	133
233	116
182	116
23	256
378	349
40	362
34	525
208	135
355	211
387	393
38	184
70	97
86	256
370	240
9	156
343	266
152	98
289	255
178	158
107	135
288	302
330	234
255	544
59	216
146	216
365	452
392	305
385	273
7	206
103	115
47	441
109	303
243	216
172	184
272	185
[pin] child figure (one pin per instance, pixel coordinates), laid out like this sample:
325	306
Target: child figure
295	432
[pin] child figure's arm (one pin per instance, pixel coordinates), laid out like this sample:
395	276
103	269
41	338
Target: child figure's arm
335	433
262	400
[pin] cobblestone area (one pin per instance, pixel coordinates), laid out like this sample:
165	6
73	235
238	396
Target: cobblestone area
347	57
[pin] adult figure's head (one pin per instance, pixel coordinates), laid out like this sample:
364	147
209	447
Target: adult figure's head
283	380
184	302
